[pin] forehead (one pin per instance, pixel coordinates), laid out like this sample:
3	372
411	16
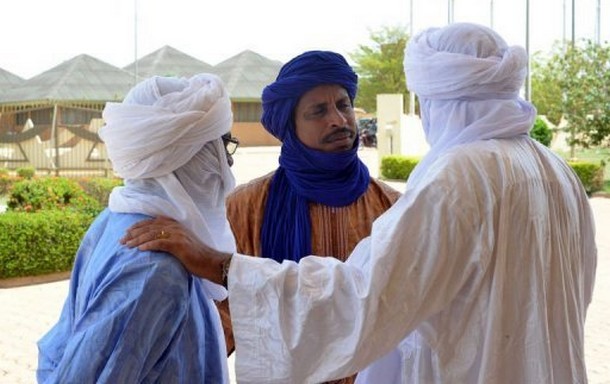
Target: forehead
322	93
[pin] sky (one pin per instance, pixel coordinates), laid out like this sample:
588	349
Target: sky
38	35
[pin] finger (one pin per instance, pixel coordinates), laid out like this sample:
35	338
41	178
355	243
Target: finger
149	223
151	234
162	245
142	223
138	233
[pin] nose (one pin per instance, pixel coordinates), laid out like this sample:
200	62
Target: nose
337	118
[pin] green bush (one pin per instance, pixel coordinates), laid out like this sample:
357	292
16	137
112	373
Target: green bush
51	193
397	167
541	132
99	188
591	175
26	172
39	243
6	182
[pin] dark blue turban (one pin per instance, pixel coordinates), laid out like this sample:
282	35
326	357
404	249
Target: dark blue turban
305	175
298	76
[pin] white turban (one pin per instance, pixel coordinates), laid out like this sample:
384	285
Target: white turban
467	80
165	140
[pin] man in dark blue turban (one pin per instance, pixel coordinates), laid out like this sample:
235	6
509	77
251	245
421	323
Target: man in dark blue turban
321	200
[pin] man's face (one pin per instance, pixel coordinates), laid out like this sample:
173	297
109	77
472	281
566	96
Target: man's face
231	143
325	119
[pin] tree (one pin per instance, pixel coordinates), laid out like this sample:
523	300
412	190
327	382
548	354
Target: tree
380	66
546	91
576	83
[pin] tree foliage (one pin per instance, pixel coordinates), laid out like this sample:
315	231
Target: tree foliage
575	84
380	66
546	92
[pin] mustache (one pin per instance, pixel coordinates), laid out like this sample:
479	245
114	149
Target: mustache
338	132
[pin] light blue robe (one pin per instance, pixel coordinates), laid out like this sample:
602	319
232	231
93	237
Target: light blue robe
131	317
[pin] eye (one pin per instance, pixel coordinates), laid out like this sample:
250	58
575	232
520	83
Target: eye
319	111
344	106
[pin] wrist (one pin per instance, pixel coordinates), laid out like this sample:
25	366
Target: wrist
224	270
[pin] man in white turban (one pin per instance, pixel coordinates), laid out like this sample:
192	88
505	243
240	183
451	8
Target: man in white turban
481	272
135	316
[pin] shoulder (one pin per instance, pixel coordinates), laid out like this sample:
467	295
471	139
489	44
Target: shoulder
254	184
384	188
103	254
252	190
379	190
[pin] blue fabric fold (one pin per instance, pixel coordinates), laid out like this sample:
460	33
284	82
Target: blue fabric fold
306	175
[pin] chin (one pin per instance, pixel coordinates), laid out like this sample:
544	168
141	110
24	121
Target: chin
342	147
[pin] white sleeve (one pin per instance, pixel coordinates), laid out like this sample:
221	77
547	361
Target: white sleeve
323	319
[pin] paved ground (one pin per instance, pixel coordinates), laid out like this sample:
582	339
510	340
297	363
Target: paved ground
26	313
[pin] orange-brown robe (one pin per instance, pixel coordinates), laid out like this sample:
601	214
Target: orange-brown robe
334	231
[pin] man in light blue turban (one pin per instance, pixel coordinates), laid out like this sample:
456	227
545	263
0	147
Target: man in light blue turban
135	316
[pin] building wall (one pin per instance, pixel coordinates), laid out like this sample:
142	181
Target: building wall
252	134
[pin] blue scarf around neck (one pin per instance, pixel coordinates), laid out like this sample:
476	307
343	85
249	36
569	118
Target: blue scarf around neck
307	175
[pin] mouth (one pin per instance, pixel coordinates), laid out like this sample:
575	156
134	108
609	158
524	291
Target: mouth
340	136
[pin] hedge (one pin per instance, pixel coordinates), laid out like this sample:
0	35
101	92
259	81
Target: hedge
45	221
399	167
590	174
43	242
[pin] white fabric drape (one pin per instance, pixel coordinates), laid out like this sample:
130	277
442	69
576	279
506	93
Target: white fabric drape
467	80
484	268
164	139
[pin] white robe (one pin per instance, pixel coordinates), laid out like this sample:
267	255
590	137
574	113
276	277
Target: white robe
484	269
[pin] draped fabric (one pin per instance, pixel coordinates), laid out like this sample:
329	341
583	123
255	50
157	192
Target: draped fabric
134	316
467	80
131	317
334	231
164	139
305	175
481	272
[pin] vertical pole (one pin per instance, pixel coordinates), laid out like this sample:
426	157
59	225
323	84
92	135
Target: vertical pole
491	14
563	41
135	41
572	130
55	134
528	80
450	14
573	22
598	23
411	94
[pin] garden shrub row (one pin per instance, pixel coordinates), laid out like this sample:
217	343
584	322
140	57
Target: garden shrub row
47	217
45	221
590	174
39	243
399	167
